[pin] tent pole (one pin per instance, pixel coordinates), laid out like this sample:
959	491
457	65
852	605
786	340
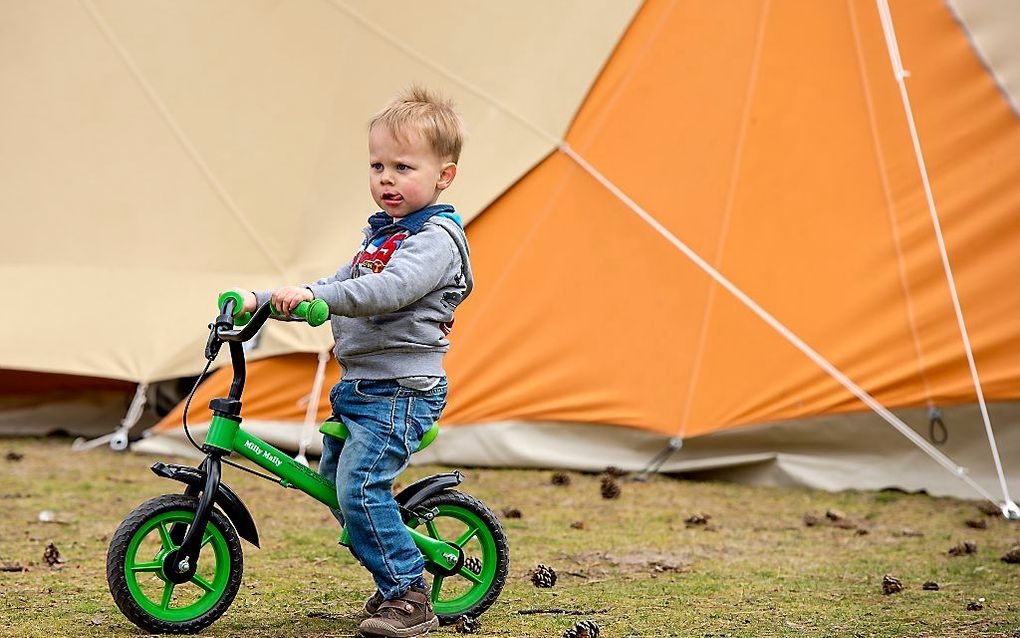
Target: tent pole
313	408
1009	508
118	439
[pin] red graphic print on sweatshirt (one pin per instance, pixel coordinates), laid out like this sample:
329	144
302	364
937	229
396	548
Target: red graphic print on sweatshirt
377	254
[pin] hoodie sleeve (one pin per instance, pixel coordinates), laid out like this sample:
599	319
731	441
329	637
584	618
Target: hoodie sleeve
343	273
417	268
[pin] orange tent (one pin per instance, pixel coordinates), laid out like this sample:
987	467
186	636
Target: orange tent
771	139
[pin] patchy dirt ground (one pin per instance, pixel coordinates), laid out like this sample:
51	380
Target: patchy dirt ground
635	564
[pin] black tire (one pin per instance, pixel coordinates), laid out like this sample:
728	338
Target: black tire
458	500
117	558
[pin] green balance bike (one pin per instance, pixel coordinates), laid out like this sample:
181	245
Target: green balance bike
174	564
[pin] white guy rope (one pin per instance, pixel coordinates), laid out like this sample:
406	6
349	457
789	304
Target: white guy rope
308	427
178	132
871	402
1009	508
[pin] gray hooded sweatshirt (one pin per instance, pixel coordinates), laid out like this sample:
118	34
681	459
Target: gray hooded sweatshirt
392	306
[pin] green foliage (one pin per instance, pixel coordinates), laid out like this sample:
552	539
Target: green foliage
755	570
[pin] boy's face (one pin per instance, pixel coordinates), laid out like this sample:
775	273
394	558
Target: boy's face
404	173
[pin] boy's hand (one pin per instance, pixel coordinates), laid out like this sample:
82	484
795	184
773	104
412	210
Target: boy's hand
287	298
249	299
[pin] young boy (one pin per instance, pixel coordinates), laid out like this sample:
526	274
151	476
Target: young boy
392	308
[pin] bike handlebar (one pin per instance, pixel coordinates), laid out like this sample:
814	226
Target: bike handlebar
315	312
231	305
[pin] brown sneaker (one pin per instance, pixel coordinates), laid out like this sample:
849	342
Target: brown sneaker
409	615
372	604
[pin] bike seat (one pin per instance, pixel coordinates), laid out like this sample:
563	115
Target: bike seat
335	427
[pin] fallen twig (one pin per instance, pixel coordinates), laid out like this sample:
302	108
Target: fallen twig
557	610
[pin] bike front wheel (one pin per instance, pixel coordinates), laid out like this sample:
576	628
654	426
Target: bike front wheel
134	567
466	522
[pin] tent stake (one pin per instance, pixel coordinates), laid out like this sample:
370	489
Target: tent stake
312	410
675	443
118	439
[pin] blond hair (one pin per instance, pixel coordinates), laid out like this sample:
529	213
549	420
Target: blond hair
434	117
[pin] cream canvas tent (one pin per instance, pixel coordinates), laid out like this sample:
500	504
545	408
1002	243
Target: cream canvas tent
156	153
772	141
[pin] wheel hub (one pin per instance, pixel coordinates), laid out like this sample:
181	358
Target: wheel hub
178	569
455	556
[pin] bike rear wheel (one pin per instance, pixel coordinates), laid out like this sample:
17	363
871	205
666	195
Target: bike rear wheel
134	567
466	522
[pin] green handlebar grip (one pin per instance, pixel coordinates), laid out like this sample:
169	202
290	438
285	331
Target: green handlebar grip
240	316
315	312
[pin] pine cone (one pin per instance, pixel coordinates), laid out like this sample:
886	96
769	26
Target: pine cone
511	512
976	605
1012	556
52	555
931	585
612	470
979	523
697	519
577	525
543	576
891	585
810	520
560	478
14	456
583	629
467	625
610	487
474	564
834	515
964	548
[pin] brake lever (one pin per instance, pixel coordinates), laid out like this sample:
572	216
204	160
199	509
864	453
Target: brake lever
213	345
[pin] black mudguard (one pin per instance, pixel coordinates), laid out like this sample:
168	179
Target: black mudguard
412	495
225	498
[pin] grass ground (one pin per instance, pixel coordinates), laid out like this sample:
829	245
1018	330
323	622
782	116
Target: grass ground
755	570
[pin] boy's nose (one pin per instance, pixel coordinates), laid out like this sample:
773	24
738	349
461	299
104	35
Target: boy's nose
386	178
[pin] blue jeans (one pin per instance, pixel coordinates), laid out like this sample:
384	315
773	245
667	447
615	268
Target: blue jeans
386	423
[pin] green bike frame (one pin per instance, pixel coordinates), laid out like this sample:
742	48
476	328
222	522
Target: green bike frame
226	434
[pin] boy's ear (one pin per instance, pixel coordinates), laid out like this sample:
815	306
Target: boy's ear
446	175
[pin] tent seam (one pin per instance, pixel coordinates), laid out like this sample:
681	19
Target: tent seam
435	66
890	207
178	132
738	157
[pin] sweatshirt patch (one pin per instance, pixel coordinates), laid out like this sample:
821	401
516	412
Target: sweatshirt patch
378	252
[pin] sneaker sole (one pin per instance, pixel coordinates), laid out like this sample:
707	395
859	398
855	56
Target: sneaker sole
382	629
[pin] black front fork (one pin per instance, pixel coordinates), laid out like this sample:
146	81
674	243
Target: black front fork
180	564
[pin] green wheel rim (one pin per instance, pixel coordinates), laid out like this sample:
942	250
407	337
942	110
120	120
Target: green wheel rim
480	583
163	607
